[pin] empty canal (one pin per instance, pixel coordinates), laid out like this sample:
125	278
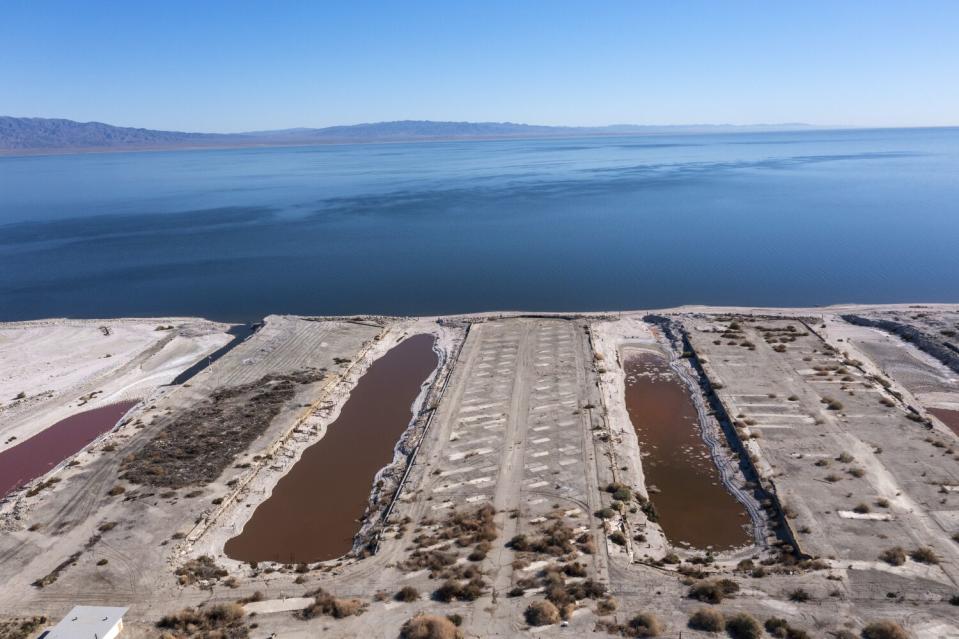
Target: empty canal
315	509
693	507
43	452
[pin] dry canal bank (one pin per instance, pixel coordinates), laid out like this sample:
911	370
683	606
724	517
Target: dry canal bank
314	511
42	452
692	506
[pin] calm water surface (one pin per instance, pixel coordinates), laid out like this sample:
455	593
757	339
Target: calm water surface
599	223
314	510
692	505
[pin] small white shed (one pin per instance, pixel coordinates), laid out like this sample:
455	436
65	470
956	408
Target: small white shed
89	622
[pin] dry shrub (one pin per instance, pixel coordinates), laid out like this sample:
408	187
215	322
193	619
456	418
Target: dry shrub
644	625
713	591
924	555
884	629
893	556
541	613
20	628
557	539
707	620
407	594
429	627
198	444
743	626
452	589
606	606
327	605
220	621
203	568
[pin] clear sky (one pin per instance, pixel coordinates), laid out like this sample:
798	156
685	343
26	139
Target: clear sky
234	65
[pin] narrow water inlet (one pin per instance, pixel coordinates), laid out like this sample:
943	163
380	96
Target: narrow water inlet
948	417
692	505
44	451
314	510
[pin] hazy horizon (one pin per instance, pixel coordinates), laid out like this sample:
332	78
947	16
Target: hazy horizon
229	67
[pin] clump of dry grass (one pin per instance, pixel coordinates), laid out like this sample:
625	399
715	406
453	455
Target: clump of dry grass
893	556
459	530
20	628
541	613
429	627
707	620
198	444
203	568
643	624
220	621
713	591
743	626
924	555
407	594
325	604
452	589
884	629
556	539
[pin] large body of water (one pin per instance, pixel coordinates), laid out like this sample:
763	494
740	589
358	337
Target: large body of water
790	219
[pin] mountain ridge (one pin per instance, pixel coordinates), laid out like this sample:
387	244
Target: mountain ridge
60	135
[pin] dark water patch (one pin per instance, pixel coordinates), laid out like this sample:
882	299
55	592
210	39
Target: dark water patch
240	334
119	226
948	417
314	511
42	452
691	503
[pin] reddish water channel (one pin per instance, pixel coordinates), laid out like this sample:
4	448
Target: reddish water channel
693	507
313	513
42	452
948	417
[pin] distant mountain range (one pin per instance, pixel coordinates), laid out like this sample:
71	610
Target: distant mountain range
23	136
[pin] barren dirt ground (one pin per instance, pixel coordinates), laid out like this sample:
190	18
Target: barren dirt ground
516	502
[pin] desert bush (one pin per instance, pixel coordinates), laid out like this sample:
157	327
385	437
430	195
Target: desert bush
893	556
326	604
199	569
707	620
644	625
407	594
884	629
606	606
430	627
221	620
707	592
743	626
924	555
541	613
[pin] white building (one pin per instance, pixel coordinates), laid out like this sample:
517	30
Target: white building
89	622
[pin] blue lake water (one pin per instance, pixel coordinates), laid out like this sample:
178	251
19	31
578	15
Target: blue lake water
774	219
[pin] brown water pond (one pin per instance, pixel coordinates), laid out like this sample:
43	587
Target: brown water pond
948	417
693	507
42	452
314	511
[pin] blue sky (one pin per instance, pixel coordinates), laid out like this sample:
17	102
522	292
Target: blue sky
232	66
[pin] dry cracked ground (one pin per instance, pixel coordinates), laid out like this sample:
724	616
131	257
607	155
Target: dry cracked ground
517	502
